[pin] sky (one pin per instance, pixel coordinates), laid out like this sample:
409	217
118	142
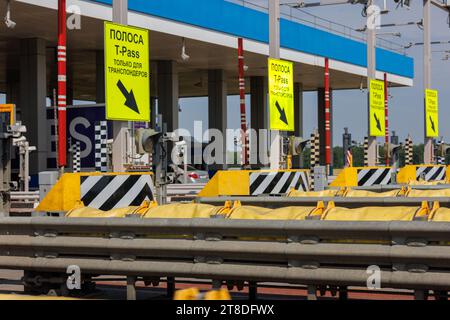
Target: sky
350	106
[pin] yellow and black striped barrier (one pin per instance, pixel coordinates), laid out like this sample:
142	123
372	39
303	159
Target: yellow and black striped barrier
103	191
255	182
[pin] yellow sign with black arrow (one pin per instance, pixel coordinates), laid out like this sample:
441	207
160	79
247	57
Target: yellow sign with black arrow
377	111
432	113
127	73
281	95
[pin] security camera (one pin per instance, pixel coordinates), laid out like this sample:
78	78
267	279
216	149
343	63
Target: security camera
184	55
9	23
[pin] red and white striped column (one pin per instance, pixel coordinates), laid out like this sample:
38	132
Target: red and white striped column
386	108
327	117
244	135
62	79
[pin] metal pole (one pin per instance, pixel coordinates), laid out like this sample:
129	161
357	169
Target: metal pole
26	167
428	144
386	108
371	74
274	51
327	119
62	79
244	136
120	128
131	287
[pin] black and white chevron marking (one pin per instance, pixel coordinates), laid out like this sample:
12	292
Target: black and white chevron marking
430	173
277	182
116	191
372	177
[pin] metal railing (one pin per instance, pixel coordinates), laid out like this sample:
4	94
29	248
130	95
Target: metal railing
411	255
350	202
304	17
183	192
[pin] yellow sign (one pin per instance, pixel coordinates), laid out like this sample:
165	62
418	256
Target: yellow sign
281	95
11	109
127	73
432	112
377	111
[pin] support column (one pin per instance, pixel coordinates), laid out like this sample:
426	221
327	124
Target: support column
428	156
259	119
100	76
120	128
297	162
168	93
371	75
12	86
322	124
32	99
217	111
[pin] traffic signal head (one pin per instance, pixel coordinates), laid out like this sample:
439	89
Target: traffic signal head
297	145
393	149
443	149
145	140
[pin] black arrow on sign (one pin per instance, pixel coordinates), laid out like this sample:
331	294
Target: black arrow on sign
130	101
432	124
378	122
282	113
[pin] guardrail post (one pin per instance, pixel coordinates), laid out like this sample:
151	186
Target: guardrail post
420	294
216	284
312	292
441	295
131	288
252	291
343	293
170	287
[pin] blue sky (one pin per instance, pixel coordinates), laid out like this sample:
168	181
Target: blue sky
350	106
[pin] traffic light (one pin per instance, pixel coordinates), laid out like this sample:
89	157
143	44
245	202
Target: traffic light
297	145
145	139
442	149
393	150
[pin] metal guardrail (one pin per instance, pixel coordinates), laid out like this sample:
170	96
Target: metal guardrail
411	255
351	202
183	192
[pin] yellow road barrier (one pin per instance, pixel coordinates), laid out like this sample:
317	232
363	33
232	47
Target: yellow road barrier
363	177
104	191
423	172
314	194
259	213
182	211
375	213
414	193
351	193
255	182
439	214
195	294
